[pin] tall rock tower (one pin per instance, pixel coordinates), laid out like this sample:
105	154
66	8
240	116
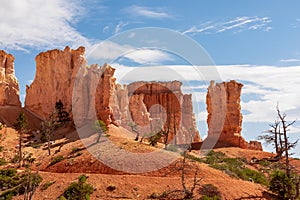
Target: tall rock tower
224	116
9	86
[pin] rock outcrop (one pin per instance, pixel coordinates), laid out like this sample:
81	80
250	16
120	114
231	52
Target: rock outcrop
91	92
224	116
9	86
155	105
55	75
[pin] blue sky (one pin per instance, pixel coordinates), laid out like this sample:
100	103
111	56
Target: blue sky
255	42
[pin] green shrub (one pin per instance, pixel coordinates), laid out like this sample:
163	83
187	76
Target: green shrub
255	176
210	192
36	146
234	167
47	184
15	159
75	149
2	162
282	185
155	138
56	159
80	190
213	157
264	163
14	183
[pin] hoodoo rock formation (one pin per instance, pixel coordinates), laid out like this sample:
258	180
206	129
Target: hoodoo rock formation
224	116
91	92
55	74
162	105
9	86
150	106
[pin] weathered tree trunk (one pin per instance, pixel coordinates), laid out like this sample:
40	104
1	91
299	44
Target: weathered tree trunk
20	148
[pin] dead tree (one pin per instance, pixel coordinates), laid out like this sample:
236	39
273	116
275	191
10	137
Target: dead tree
273	136
188	187
48	127
287	145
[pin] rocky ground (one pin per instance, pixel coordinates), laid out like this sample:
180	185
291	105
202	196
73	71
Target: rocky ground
127	185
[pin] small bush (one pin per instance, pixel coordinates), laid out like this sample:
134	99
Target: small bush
155	138
111	188
15	159
264	163
210	192
214	157
2	162
80	190
47	184
36	146
282	185
75	149
1	148
255	176
56	159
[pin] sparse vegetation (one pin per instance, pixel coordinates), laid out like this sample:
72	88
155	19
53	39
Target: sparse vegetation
13	183
79	190
210	192
285	184
56	159
36	146
235	167
285	187
46	185
155	138
2	162
1	148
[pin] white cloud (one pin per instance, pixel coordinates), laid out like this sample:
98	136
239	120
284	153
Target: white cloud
238	24
39	24
290	60
107	50
148	56
153	13
105	29
120	26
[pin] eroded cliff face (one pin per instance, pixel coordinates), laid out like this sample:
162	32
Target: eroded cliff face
224	116
9	86
155	105
55	75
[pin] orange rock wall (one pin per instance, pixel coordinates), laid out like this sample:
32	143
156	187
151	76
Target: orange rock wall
224	115
55	74
9	86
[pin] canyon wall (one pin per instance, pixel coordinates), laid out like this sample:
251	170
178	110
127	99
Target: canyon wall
54	79
224	116
155	105
9	86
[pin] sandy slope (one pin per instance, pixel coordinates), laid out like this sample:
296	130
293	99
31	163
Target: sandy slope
129	186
